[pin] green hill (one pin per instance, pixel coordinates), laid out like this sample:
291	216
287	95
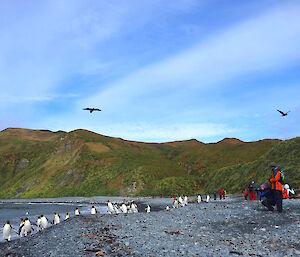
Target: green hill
51	164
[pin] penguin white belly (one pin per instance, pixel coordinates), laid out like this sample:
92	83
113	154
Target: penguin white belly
199	199
38	224
124	208
7	232
207	198
56	219
27	228
44	223
93	211
110	208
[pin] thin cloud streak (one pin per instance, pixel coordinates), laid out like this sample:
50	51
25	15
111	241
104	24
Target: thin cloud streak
250	47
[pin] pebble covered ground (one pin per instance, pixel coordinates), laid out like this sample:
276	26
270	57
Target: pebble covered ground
231	227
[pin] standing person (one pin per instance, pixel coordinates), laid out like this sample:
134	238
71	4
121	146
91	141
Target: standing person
220	193
224	193
215	194
251	189
246	193
276	185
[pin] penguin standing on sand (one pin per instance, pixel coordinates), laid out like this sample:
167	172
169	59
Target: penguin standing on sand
148	209
7	231
180	201
175	203
20	227
199	199
110	207
77	212
38	223
124	208
134	207
185	201
93	210
207	198
26	228
56	218
67	216
44	222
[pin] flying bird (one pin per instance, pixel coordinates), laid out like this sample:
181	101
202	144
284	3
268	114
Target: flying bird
282	113
91	109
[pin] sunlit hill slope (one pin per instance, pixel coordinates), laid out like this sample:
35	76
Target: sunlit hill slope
37	163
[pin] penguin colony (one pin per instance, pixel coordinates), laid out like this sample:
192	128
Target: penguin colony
26	227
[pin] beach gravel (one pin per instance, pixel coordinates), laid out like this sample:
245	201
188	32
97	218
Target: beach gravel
231	227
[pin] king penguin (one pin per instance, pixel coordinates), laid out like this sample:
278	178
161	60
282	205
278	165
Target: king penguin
134	207
148	209
77	212
38	223
56	218
93	210
123	208
110	207
26	228
7	231
44	222
185	201
207	198
199	199
67	216
20	228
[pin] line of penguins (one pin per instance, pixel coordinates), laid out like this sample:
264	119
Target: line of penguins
183	201
26	227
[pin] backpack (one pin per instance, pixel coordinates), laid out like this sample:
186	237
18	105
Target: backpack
281	180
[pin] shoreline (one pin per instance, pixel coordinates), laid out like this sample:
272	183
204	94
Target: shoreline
229	227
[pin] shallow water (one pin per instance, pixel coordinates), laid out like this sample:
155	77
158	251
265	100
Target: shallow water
14	211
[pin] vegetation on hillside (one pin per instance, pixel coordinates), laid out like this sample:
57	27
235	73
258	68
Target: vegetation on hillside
82	163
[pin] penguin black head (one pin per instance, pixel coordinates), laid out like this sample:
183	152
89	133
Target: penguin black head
26	218
7	222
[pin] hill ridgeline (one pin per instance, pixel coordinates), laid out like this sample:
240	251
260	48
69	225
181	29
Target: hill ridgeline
37	163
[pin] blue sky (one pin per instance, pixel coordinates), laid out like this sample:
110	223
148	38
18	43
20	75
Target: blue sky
159	70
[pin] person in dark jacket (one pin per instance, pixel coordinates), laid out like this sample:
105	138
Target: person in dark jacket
276	185
215	194
269	199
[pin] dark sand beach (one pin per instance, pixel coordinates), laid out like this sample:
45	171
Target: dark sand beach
231	227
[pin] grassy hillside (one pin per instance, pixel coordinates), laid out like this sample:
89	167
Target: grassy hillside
46	164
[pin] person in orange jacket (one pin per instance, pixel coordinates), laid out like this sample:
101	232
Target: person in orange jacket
276	185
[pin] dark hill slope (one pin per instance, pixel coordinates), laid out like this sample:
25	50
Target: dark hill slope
46	164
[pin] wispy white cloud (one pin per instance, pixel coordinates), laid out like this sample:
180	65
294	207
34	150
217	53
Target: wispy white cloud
253	46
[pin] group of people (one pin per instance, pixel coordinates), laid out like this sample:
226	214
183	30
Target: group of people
26	226
272	195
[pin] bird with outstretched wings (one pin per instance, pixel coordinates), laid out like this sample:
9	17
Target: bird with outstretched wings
283	113
92	109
